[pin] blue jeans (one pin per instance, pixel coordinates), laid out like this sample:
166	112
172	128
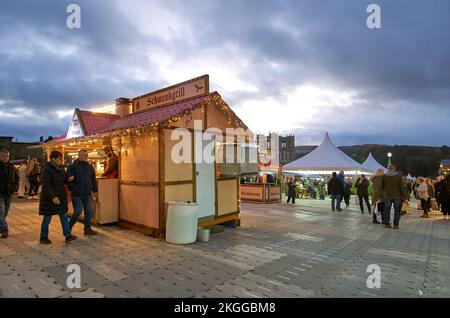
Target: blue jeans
5	203
46	222
80	203
336	201
397	209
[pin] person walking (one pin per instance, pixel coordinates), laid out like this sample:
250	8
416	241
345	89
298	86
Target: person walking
341	177
362	190
422	192
84	190
377	196
292	190
348	192
33	177
8	182
431	193
445	196
23	179
438	191
53	199
393	188
335	189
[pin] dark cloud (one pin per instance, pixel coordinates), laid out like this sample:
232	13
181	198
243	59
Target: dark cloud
399	74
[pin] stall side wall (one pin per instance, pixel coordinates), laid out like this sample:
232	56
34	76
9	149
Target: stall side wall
139	181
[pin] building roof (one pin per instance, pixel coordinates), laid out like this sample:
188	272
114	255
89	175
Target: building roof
155	115
93	122
372	164
326	157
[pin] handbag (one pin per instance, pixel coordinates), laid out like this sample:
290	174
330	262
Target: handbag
405	207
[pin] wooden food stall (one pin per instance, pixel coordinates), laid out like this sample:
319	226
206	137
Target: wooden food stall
146	136
263	187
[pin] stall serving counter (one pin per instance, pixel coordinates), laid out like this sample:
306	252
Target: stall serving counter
260	192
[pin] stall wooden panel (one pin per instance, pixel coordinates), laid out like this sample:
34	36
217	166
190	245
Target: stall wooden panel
139	160
140	205
177	171
181	192
227	192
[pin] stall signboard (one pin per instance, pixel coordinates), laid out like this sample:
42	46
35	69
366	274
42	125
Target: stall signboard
193	88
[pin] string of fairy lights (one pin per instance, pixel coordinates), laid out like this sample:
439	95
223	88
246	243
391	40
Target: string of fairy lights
150	132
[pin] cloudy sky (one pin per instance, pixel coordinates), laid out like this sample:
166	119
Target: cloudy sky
292	66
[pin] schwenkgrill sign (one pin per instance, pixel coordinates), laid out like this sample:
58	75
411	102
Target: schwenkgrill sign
193	88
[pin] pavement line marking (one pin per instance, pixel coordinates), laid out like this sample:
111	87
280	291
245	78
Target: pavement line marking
283	277
275	283
251	295
300	269
296	274
264	288
306	265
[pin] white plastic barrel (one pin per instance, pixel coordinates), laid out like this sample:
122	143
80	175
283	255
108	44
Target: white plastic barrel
182	222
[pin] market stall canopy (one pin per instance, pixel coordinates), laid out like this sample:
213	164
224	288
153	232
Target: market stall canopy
86	123
325	159
410	177
159	115
372	164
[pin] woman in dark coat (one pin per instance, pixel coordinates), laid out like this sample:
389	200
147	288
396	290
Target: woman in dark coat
292	190
53	199
362	190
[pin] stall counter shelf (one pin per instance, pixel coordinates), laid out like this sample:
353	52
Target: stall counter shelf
106	208
260	192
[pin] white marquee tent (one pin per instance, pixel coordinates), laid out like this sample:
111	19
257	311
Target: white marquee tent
372	164
324	160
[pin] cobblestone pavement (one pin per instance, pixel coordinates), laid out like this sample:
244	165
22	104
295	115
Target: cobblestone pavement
281	250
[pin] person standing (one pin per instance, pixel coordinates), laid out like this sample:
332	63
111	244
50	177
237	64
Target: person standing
422	192
431	193
362	189
23	177
84	190
8	182
438	191
377	196
341	177
347	192
445	196
33	177
393	188
334	190
112	166
292	190
53	200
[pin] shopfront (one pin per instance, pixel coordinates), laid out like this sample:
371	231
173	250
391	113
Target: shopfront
150	135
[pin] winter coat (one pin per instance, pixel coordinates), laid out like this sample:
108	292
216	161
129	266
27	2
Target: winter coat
292	189
335	186
362	187
85	182
53	185
377	191
8	178
423	191
392	185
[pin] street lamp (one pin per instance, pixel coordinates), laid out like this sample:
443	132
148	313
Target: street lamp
389	158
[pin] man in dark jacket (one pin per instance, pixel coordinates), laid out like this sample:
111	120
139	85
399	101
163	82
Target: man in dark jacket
335	188
53	200
8	181
83	187
362	189
292	190
394	190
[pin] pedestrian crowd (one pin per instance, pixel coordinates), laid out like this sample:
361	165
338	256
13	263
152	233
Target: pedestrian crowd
79	180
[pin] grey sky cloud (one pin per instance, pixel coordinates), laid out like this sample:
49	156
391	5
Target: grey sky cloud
398	75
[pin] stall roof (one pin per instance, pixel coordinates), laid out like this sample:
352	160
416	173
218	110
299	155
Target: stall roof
372	164
93	122
325	157
156	115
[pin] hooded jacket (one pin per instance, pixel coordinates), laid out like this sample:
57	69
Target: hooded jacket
392	185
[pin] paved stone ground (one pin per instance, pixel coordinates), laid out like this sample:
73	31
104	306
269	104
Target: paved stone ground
281	250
